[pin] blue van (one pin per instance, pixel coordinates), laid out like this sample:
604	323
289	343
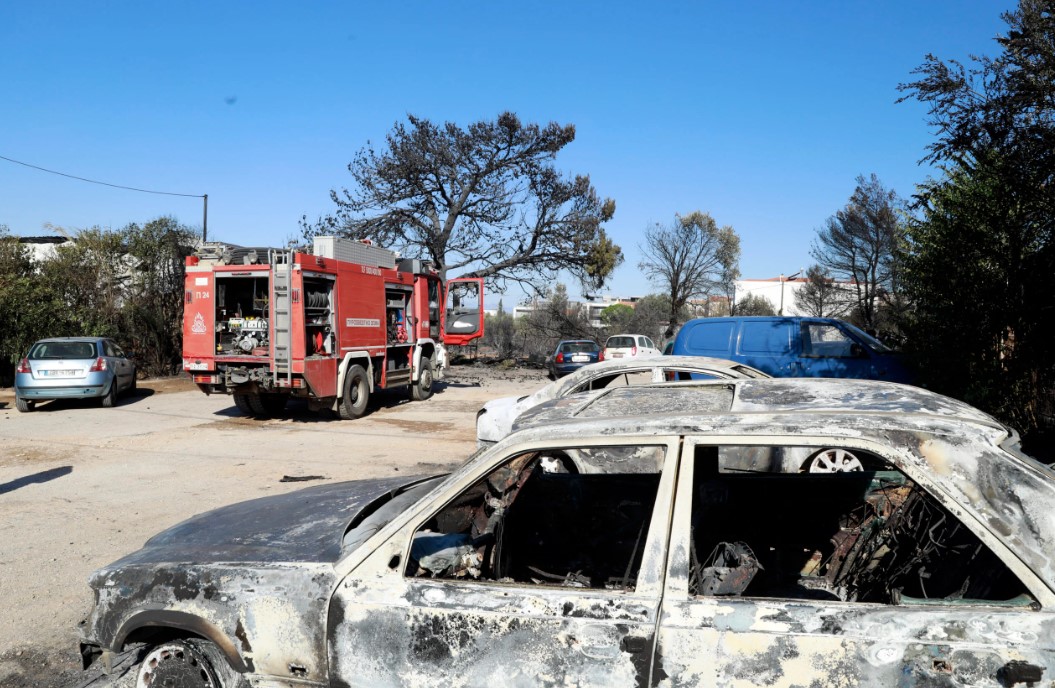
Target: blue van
793	347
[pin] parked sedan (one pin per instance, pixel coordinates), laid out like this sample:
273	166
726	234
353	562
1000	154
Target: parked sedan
73	368
614	548
630	346
572	354
495	419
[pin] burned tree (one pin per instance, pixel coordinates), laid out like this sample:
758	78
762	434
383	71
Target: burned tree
690	258
482	201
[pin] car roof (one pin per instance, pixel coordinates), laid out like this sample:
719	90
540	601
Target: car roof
70	339
780	406
701	362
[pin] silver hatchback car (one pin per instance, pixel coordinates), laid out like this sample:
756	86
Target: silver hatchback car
73	368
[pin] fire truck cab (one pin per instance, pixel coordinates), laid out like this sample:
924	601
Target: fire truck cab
332	325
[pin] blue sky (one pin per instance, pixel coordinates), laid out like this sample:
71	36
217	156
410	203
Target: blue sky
760	113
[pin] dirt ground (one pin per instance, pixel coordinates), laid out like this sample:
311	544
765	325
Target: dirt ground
82	485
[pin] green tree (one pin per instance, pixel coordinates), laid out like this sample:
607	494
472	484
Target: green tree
152	307
88	277
755	304
617	317
483	201
27	308
690	258
859	245
980	254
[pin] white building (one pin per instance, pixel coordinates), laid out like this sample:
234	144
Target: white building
779	291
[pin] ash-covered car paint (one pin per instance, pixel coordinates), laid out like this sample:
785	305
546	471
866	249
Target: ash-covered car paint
607	544
496	418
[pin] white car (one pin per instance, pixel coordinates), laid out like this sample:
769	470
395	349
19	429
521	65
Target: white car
495	419
629	346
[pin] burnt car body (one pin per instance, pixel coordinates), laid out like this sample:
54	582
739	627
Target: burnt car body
607	544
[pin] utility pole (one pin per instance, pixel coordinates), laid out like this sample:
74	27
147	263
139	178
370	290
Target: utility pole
205	219
782	281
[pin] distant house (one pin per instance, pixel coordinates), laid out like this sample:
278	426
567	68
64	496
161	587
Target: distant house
43	247
591	310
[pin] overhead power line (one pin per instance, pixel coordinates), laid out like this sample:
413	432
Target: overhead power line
204	197
93	181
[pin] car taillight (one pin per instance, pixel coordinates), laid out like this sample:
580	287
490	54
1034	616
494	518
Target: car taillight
560	358
99	365
23	366
600	355
633	351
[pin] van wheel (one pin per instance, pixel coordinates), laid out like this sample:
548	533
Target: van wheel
422	389
833	461
356	393
24	405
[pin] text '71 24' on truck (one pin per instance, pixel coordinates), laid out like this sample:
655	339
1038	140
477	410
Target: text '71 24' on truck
331	326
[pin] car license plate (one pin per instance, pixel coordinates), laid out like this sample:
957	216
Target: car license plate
580	358
617	355
60	373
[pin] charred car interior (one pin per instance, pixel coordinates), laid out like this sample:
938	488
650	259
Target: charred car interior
574	518
861	536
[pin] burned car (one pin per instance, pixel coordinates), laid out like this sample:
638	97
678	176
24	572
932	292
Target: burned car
496	418
610	545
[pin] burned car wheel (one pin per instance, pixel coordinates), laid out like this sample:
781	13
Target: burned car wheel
190	662
833	461
183	663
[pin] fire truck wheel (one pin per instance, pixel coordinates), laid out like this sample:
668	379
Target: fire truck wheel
274	404
356	393
242	402
266	405
422	389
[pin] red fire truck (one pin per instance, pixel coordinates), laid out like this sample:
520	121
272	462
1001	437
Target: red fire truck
332	325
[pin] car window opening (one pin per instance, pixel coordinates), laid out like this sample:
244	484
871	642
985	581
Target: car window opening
574	518
867	535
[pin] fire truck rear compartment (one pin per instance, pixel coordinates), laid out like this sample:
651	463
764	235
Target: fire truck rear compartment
242	309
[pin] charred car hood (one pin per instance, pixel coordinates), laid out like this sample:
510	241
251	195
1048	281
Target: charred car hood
305	526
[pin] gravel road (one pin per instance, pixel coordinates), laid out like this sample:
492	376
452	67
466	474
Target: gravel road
82	485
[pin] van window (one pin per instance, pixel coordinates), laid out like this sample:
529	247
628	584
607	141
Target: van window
822	340
710	338
766	338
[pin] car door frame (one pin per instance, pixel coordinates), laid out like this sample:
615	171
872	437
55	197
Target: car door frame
614	631
781	641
